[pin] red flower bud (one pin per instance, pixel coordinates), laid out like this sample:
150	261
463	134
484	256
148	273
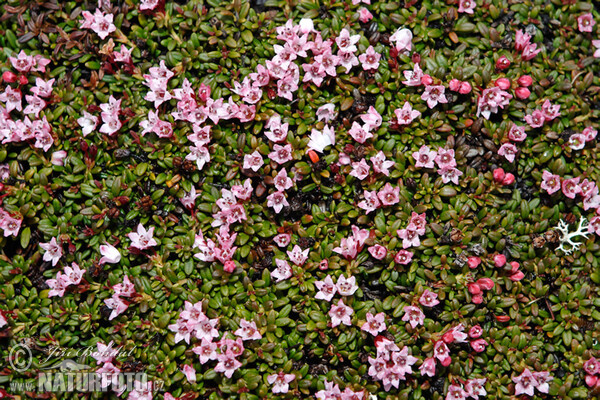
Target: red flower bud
591	380
499	175
503	83
517	276
473	262
426	80
525	80
499	260
454	85
416	58
485	283
477	299
448	337
474	288
9	77
522	93
502	63
229	266
465	88
509	179
23	80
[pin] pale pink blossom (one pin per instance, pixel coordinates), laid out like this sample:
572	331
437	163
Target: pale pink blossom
88	123
142	239
253	161
110	254
53	251
360	133
340	314
403	257
206	351
282	239
346	287
413	315
326	113
428	367
321	139
589	133
433	95
389	195
577	141
406	114
378	251
550	182
525	383
365	16
370	59
570	187
381	164
466	6
371	201
429	299
424	157
374	324
277	201
326	288
283	270
360	169
509	151
586	22
189	372
248	330
402	40
280	382
298	256
227	364
409	236
281	154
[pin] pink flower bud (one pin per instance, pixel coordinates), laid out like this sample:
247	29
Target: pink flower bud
522	93
509	179
9	77
514	266
503	83
517	276
229	266
479	345
454	85
23	80
58	157
477	299
485	283
448	337
426	80
499	260
324	265
499	175
525	80
475	332
502	63
474	288
473	262
591	380
465	88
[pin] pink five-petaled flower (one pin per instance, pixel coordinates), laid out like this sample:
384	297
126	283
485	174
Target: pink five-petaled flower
110	254
406	114
479	345
283	239
360	133
277	201
360	169
445	158
450	174
381	164
456	392
378	251
340	313
364	15
428	367
248	330
589	133
327	289
283	270
227	364
281	382
206	351
442	353
424	157
88	123
535	119
346	287
53	251
403	257
389	195
466	6
508	150
298	256
321	139
571	187
142	239
586	22
577	141
370	59
429	299
413	315
550	182
103	24
525	383
253	161
402	40
374	324
409	236
281	154
326	112
517	133
371	201
433	95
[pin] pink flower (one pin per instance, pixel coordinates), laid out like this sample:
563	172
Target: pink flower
433	95
542	378
589	133
485	283
521	40
372	118
340	313
550	111
374	324
414	316
550	182
596	44
319	140
143	238
570	187
456	392
12	98
592	366
283	270
449	174
402	40
53	251
389	195
378	251
58	158
525	383
522	93
577	141
517	133
442	353
253	161
475	332
409	236
10	225
124	55
466	6
326	289
586	22
424	157
282	181
345	42
364	15
125	289
326	113
380	164
206	351
360	169
445	158
346	287
406	114
227	364
428	367
117	305
88	122
479	345
110	254
281	382
530	52
298	256
535	119
190	373
103	24
508	150
347	248
429	299
248	330
281	154
359	133
283	239
371	201
370	59
501	64
414	77
403	257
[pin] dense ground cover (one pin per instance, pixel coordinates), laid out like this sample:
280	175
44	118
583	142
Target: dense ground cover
313	199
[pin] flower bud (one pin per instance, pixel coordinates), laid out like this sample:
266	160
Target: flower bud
448	337
509	179
503	83
514	266
229	266
525	80
517	276
474	288
502	63
499	260
426	80
477	299
473	262
324	265
465	88
591	380
479	345
9	77
499	175
475	332
454	85
522	93
58	157
23	80
485	283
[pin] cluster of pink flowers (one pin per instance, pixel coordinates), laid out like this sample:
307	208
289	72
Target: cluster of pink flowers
296	255
71	276
547	113
117	303
461	87
577	141
386	196
571	187
528	381
523	44
193	321
515	274
509	150
391	365
349	247
477	288
12	130
477	343
446	163
327	289
109	372
592	370
99	22
491	101
224	252
372	121
472	388
9	224
332	392
411	234
110	118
